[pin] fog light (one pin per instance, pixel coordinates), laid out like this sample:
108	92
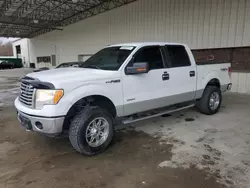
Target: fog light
39	125
229	87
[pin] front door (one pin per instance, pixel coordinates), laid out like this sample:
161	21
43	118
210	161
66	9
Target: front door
146	91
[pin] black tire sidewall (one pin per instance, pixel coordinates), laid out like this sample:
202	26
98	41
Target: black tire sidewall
217	90
83	128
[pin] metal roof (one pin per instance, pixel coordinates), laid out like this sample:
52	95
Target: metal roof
30	18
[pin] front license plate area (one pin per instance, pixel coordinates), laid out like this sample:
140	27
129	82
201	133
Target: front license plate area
25	122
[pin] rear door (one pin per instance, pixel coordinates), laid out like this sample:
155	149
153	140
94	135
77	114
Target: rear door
182	74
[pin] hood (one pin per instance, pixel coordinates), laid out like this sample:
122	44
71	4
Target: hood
61	75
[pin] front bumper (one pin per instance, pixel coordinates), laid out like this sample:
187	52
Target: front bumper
45	125
43	121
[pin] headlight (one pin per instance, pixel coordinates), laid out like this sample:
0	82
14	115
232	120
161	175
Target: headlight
47	97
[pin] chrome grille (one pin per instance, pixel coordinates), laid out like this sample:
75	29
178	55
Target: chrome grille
26	96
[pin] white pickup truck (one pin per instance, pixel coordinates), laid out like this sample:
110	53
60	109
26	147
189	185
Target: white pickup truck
121	83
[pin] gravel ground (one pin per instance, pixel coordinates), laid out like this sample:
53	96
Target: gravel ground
181	150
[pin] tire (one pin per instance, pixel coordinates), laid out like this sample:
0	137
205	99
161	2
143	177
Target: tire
203	104
79	127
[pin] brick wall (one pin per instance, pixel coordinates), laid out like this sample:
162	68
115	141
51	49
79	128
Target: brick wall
6	49
239	57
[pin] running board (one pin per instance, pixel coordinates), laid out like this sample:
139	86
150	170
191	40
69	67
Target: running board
127	121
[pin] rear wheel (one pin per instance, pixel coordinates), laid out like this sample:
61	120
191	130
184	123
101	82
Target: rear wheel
91	131
211	100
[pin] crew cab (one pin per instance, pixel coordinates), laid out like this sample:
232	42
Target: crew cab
121	83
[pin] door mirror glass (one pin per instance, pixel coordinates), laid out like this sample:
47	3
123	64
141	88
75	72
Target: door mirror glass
137	68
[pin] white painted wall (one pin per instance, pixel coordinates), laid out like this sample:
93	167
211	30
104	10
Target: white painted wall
199	23
44	47
241	82
24	43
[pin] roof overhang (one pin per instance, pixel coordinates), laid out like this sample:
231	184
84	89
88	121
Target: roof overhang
30	18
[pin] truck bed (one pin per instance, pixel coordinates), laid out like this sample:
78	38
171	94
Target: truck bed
206	71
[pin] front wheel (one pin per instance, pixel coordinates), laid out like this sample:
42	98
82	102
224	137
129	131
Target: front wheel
91	131
211	100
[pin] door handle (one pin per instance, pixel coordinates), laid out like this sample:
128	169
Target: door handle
192	73
165	76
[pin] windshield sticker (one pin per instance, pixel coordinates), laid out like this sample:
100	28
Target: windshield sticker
126	48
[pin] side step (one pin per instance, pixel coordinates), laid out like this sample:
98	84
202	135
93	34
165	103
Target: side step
133	120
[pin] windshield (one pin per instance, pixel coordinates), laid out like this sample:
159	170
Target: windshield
110	58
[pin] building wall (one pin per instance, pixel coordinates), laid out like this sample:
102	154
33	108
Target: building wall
241	82
6	49
199	23
24	44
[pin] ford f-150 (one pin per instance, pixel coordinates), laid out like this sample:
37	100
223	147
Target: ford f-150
121	83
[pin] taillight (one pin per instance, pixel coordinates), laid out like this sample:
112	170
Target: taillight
229	71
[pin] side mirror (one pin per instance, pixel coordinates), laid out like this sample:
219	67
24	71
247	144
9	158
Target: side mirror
138	68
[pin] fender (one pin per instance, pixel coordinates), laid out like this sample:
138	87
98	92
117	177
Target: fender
112	92
202	83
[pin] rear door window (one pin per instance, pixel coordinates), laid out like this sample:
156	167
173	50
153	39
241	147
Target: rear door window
177	56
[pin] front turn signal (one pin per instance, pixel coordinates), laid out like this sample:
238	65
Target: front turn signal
58	95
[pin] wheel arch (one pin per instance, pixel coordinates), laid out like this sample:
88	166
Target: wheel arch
210	81
212	78
214	82
95	100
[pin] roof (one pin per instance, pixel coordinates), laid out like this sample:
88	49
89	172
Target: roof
137	44
30	18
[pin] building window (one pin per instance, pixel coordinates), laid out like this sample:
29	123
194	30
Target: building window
18	49
83	57
53	58
44	59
